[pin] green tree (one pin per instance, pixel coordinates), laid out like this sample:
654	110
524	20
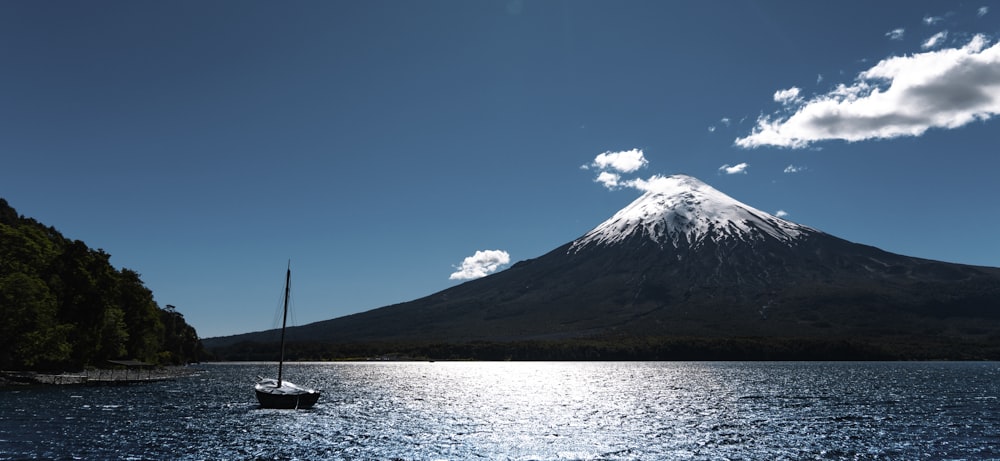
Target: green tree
181	344
30	337
86	290
142	317
65	306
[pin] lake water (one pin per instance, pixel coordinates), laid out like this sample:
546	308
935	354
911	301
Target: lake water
525	411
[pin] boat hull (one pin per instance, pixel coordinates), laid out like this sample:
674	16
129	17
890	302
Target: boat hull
272	394
287	401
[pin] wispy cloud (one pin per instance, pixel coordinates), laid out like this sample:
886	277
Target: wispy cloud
935	41
612	164
982	11
725	121
794	169
735	169
654	183
899	96
481	264
896	34
613	181
931	20
789	96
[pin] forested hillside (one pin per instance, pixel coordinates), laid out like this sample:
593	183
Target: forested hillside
64	306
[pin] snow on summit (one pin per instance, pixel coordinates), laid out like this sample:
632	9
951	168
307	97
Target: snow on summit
683	211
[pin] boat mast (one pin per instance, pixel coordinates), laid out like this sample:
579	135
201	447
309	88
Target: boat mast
284	320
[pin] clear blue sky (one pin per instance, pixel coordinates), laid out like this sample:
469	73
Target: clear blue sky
377	144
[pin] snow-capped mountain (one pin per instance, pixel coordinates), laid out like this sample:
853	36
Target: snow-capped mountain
681	210
687	261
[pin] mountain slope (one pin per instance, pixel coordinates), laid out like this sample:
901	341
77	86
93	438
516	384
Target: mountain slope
686	260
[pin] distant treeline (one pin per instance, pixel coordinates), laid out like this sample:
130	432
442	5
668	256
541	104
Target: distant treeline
658	348
63	306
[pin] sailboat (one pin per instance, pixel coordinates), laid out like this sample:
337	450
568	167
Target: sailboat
278	393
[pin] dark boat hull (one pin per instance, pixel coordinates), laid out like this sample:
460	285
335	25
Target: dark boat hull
287	401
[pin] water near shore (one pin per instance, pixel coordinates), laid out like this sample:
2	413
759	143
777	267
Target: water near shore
525	411
94	376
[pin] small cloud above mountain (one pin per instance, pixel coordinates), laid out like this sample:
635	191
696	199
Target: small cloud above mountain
481	264
740	168
611	166
626	161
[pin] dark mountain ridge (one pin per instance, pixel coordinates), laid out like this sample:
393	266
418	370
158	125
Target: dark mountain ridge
685	260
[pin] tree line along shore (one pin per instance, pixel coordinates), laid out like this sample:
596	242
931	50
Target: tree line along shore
66	308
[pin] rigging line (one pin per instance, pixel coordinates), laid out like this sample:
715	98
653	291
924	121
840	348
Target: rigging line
279	308
291	306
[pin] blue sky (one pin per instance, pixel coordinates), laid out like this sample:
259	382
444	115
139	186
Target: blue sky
378	144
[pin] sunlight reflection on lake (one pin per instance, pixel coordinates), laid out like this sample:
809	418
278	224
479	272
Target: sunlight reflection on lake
525	411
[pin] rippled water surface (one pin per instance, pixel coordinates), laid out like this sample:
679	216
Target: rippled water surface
525	411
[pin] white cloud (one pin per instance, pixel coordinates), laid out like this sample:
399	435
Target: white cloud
982	11
788	96
794	169
935	41
611	164
899	96
931	20
711	129
654	183
626	161
896	34
781	213
608	179
480	265
735	169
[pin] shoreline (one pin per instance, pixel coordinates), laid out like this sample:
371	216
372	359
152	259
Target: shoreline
93	377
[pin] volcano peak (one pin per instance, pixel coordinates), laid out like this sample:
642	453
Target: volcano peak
681	210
